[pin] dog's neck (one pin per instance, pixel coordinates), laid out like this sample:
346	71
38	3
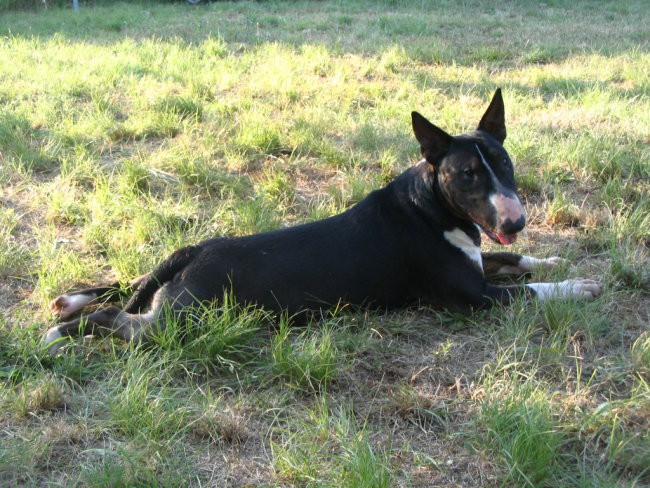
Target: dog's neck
419	185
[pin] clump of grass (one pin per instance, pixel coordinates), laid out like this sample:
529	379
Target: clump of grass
629	267
406	402
151	125
142	403
14	255
621	426
562	212
133	178
255	214
212	335
218	421
220	426
129	465
352	188
64	203
44	394
182	107
209	177
640	355
60	268
393	59
364	467
214	47
626	236
521	431
276	187
260	135
327	447
23	146
308	359
528	181
562	320
631	223
136	232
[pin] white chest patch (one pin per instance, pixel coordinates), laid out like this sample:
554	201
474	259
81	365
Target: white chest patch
462	241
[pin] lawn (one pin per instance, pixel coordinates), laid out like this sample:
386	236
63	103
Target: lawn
130	129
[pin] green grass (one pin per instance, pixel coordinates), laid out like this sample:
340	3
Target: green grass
308	360
520	430
325	447
130	129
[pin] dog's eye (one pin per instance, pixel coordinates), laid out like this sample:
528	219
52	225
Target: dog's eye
469	174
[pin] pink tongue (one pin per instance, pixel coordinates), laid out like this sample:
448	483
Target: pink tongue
507	240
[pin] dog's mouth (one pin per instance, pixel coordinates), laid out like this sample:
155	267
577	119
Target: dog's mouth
503	239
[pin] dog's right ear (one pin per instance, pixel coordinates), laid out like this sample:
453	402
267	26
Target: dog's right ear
434	142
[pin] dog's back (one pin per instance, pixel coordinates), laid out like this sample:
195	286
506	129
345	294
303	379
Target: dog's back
380	253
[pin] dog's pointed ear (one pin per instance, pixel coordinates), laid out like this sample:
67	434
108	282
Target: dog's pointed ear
494	118
434	142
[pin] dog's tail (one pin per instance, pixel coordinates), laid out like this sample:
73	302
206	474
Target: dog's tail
164	272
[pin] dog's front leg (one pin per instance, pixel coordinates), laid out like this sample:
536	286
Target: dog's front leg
573	289
506	263
576	289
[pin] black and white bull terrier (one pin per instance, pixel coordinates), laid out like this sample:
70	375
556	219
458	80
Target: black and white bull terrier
417	240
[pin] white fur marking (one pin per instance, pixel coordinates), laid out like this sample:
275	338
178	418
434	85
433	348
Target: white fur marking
506	207
52	340
529	263
578	288
510	270
67	305
462	241
77	302
485	163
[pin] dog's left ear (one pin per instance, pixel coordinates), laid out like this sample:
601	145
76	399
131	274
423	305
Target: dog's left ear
494	118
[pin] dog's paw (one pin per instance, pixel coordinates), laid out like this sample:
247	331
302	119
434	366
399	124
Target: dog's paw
553	261
576	289
53	340
529	263
66	306
582	288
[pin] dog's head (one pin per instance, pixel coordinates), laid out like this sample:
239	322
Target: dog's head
474	173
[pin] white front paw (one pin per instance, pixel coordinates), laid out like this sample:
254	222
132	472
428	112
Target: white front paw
553	261
583	288
577	288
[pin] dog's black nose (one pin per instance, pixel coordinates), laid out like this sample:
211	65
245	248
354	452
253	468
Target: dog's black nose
510	227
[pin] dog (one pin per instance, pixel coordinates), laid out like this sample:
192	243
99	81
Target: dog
415	241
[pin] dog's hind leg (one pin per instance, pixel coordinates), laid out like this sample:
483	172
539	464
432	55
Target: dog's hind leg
506	263
110	321
65	306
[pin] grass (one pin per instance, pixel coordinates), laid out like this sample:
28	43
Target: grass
130	129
